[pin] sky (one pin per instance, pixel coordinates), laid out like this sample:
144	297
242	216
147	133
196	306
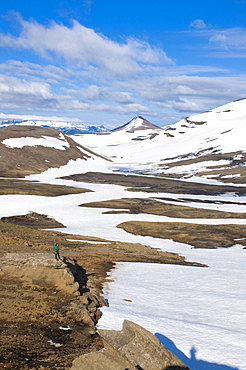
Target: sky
106	61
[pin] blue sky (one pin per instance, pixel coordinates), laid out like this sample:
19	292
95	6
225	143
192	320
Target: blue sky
105	61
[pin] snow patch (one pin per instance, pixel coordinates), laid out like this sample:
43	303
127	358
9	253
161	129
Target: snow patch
45	141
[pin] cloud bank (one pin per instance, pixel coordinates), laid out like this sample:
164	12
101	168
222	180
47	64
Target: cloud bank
61	70
85	48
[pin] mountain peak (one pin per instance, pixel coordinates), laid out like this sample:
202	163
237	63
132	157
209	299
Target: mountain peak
136	117
137	123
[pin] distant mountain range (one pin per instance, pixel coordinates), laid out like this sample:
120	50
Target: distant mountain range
67	127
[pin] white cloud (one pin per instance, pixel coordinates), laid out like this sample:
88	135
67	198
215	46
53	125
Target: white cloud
134	108
100	93
181	104
19	94
219	40
198	24
87	72
229	39
188	93
35	71
85	48
33	117
148	95
12	86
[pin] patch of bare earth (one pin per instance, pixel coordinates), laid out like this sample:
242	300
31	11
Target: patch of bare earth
156	184
14	186
30	317
234	171
154	207
33	220
196	235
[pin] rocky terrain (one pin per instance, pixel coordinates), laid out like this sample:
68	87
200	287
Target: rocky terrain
131	348
49	309
45	321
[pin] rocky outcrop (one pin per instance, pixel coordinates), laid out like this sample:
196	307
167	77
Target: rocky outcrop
48	312
131	348
60	302
42	270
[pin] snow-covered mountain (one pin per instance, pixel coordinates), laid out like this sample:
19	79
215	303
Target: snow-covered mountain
210	144
114	143
137	125
220	130
67	127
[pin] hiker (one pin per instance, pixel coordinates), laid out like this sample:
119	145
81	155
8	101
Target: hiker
56	251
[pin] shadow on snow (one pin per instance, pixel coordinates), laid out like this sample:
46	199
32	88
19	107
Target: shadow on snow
193	363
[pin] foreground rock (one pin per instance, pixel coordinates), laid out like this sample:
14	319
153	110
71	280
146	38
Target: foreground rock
131	348
48	312
48	318
49	308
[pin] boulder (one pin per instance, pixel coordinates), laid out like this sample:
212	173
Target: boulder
131	348
106	359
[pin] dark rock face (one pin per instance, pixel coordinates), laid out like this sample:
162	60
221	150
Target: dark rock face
131	348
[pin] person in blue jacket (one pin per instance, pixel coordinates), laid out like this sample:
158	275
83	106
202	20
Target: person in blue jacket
56	251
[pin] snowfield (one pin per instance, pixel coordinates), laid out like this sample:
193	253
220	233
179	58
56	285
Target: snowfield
191	310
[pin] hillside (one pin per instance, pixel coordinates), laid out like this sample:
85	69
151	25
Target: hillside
204	147
27	149
209	145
